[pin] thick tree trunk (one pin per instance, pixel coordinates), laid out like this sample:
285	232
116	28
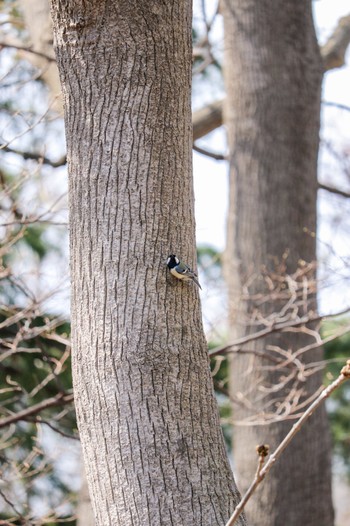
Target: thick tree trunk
149	426
273	76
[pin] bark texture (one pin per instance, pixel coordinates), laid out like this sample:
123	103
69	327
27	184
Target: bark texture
273	75
153	448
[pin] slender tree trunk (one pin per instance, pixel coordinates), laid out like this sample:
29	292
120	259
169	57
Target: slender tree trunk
84	513
38	25
273	76
153	448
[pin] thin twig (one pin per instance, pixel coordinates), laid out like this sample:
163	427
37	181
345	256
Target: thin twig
35	156
262	452
39	420
13	506
27	50
276	327
60	399
263	471
212	155
336	105
334	190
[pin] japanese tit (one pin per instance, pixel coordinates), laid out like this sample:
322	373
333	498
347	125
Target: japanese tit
180	270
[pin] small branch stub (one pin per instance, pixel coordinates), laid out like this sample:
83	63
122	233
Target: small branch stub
346	369
263	450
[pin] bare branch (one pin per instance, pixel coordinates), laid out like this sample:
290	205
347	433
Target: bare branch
39	420
274	327
213	155
13	506
207	119
35	156
60	399
333	52
336	105
27	50
263	471
333	190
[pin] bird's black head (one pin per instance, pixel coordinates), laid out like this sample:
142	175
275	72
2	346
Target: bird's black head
172	261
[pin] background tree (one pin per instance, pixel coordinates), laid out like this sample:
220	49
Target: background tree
273	74
37	417
148	421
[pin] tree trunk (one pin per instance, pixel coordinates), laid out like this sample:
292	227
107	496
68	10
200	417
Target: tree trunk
148	420
273	76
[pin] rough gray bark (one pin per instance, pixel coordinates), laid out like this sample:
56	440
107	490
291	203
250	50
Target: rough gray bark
148	420
273	75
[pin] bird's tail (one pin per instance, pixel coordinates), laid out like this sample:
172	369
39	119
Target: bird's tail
196	282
